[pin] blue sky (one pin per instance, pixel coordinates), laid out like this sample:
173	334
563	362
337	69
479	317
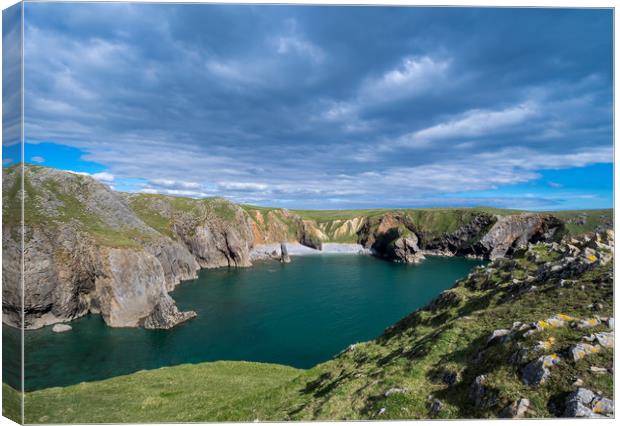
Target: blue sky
326	107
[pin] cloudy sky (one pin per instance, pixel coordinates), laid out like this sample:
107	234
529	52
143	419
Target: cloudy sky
326	107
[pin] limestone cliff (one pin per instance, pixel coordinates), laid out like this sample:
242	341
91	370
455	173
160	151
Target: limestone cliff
90	249
391	236
396	235
85	251
514	232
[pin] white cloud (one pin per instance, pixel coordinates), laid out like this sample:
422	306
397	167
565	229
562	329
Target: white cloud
473	123
175	184
174	192
298	45
229	71
103	176
414	76
340	111
242	186
37	159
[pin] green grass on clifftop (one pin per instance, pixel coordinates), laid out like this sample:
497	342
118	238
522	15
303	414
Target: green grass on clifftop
186	393
11	403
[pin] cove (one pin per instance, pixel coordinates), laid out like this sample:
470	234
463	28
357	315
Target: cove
299	314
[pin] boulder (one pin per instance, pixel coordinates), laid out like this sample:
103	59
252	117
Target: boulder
545	345
588	323
581	350
498	336
395	391
516	410
537	371
61	328
585	403
610	323
482	396
450	378
436	407
605	339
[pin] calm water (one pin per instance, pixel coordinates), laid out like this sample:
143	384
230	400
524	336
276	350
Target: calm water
298	314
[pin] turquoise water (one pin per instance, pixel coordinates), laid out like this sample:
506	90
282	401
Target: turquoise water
298	314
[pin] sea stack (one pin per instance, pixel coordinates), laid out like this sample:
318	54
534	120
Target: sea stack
284	257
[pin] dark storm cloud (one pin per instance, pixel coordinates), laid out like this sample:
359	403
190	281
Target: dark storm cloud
312	105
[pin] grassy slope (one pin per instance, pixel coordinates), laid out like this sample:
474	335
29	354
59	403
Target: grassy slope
11	403
414	354
184	393
594	218
148	207
70	210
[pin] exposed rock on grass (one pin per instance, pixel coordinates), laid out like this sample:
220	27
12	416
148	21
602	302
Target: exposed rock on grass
538	371
585	403
516	410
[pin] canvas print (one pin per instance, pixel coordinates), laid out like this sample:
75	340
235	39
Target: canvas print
292	212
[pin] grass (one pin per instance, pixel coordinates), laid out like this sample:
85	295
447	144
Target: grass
72	210
594	218
160	211
184	393
11	403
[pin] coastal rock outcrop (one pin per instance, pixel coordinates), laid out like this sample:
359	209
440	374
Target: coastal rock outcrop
464	241
395	236
132	292
513	232
85	251
284	257
217	233
392	236
309	235
176	261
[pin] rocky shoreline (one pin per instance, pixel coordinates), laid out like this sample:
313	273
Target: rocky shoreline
89	249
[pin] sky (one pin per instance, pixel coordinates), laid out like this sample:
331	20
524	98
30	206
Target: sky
326	107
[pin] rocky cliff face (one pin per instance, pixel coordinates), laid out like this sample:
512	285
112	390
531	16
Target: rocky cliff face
396	236
91	249
511	233
391	236
464	240
87	251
